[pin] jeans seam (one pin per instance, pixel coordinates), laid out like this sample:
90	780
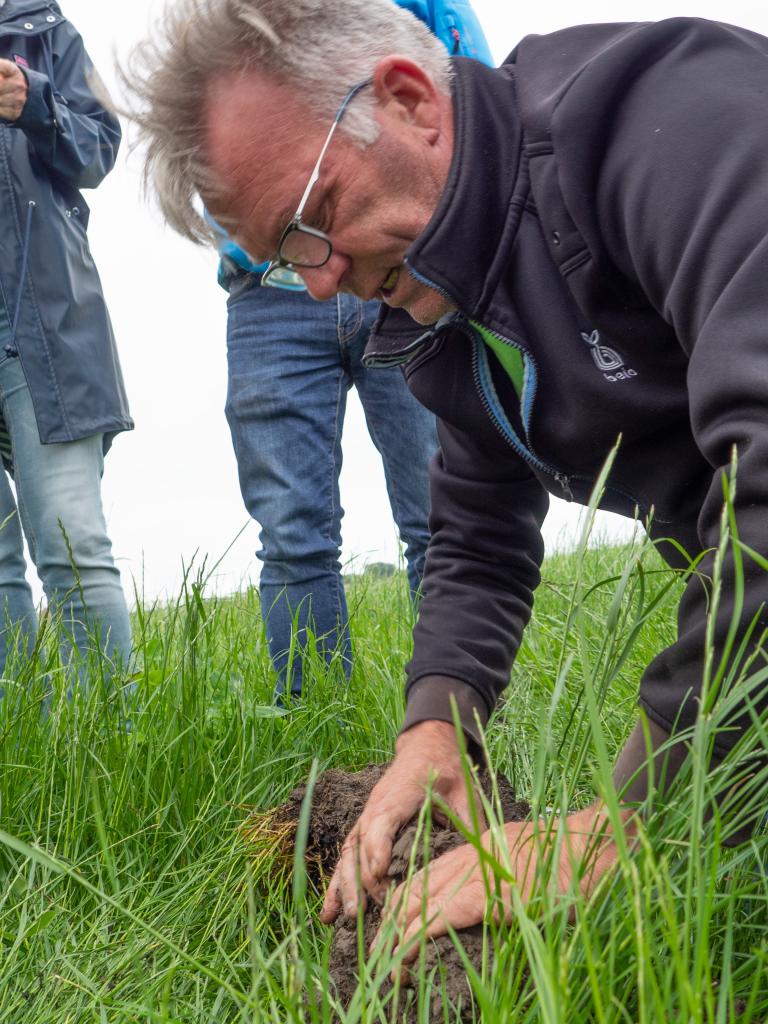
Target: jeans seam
25	522
410	541
334	474
343	339
345	336
397	510
332	503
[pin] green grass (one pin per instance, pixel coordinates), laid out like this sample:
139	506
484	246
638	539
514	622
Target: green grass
128	893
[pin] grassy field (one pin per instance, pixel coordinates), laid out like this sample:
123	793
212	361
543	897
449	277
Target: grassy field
129	893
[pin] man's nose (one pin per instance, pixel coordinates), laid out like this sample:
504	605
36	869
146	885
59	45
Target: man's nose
325	282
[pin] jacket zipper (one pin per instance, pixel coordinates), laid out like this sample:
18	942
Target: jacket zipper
499	419
505	429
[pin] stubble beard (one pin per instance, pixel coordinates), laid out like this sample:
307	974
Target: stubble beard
429	306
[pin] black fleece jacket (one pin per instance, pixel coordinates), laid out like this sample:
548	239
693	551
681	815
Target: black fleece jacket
606	214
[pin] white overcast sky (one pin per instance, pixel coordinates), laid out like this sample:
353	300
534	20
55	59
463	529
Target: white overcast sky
170	486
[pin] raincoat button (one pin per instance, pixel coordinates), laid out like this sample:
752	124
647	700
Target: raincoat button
555	238
50	18
28	24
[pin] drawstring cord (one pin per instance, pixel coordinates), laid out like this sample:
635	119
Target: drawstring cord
49	61
24	262
30	209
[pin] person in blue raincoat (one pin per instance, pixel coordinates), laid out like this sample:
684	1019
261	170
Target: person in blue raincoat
62	398
291	362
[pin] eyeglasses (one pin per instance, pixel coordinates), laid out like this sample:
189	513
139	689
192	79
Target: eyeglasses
300	245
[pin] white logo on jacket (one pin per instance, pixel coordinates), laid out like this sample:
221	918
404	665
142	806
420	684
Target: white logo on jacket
607	360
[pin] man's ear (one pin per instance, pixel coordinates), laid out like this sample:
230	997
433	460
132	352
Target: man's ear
407	93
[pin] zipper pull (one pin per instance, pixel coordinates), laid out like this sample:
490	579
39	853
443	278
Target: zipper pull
566	486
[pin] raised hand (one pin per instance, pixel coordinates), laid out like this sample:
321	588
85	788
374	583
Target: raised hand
13	90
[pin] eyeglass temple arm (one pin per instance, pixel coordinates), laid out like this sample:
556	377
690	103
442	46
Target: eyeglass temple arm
316	172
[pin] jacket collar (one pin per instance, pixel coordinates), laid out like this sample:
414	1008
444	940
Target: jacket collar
11	10
465	248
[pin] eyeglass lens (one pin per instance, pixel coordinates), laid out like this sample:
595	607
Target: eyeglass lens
302	248
282	277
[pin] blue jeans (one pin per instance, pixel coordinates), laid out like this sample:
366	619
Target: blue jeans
58	487
291	363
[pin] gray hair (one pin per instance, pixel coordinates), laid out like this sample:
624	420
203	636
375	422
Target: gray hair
321	46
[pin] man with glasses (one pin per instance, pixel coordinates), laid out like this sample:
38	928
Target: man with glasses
584	233
291	363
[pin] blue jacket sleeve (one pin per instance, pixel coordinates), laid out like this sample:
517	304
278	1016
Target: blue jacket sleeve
455	24
66	123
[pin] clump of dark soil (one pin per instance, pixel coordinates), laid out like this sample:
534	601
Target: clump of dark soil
338	800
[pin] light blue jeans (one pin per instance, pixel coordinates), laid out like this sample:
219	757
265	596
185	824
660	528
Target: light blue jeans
58	487
291	363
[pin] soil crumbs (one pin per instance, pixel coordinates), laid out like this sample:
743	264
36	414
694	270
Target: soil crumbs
338	800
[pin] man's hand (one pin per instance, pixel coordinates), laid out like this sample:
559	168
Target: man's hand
426	752
13	90
456	893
